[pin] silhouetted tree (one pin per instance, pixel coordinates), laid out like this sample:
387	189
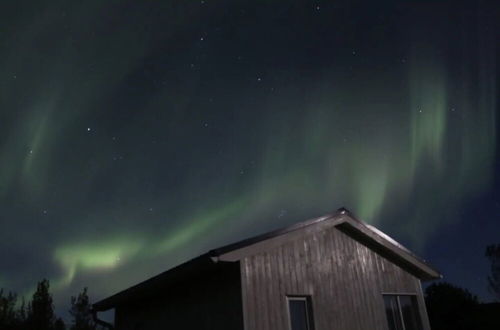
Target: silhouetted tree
22	313
41	314
81	312
59	324
493	254
450	307
8	317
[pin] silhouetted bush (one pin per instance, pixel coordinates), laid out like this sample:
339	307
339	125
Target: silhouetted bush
449	306
452	308
493	254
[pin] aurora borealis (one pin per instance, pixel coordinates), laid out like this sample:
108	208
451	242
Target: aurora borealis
137	134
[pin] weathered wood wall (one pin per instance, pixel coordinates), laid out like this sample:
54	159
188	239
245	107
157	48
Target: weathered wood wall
344	278
206	301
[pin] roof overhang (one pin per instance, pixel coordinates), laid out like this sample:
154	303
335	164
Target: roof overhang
152	286
343	220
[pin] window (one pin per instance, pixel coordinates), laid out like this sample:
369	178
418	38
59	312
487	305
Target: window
300	310
402	312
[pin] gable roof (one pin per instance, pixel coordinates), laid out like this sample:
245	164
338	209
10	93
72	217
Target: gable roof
342	220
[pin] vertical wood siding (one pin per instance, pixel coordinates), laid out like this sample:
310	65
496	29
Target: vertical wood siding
344	278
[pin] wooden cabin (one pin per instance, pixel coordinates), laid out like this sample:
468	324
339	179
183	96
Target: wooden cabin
334	272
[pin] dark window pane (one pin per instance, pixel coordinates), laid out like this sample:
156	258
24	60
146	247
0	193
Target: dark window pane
298	314
392	312
409	308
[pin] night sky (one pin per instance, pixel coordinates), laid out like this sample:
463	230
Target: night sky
135	135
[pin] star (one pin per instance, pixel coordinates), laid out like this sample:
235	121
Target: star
301	134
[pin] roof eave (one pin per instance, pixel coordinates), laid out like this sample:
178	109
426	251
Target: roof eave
419	267
151	285
342	219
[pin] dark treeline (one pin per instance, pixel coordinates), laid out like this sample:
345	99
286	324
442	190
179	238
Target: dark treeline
451	307
38	314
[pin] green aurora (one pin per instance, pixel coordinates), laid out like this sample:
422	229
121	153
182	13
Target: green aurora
125	189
